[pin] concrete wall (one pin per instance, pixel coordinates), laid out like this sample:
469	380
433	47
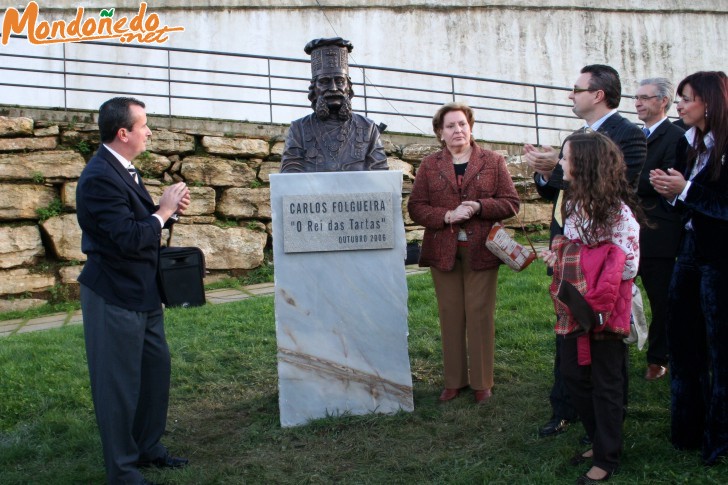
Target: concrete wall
536	41
543	42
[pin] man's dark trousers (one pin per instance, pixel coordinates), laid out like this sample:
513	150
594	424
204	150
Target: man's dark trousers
119	344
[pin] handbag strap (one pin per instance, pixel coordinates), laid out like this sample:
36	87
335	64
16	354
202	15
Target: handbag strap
174	217
169	238
515	212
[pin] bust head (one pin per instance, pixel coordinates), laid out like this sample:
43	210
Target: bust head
330	91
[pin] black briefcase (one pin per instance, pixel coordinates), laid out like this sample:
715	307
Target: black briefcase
181	271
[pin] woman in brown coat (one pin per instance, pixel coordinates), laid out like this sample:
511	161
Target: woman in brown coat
459	192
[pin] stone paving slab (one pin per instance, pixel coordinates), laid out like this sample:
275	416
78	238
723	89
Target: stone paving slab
55	320
76	318
5	324
7	327
222	293
262	289
225	295
214	297
260	286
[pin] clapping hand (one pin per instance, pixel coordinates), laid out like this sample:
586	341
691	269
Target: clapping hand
185	202
668	184
542	161
174	198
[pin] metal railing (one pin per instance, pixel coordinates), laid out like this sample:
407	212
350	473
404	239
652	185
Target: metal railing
224	85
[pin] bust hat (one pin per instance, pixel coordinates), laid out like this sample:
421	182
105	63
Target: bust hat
329	56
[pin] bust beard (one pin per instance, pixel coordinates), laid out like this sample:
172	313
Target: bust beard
323	112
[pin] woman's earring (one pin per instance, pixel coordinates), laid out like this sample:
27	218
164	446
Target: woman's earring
706	112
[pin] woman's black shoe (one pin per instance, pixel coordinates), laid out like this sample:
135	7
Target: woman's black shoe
585	480
578	459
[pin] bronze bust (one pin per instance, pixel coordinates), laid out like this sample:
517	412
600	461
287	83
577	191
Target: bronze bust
332	138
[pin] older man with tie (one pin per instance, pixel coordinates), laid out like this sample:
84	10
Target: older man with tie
658	243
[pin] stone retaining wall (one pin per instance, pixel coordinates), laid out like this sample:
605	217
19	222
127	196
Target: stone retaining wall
226	165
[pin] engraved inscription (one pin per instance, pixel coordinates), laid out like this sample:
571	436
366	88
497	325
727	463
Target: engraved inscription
338	222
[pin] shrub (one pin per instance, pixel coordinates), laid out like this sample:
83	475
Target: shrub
83	147
54	209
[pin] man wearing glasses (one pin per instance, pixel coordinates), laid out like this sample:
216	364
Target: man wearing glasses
596	96
658	244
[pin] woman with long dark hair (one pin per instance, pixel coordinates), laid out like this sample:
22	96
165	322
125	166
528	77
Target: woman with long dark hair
595	262
698	300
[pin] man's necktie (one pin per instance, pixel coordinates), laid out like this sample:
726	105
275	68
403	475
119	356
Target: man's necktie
646	131
134	174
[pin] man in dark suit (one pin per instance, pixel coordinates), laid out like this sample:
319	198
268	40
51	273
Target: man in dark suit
128	357
658	244
596	96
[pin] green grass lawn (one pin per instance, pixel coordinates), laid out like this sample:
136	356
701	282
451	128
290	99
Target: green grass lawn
224	410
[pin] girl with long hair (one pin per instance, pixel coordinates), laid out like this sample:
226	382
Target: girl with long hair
594	264
697	330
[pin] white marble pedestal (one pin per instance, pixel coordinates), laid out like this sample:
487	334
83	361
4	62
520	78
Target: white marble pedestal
341	315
